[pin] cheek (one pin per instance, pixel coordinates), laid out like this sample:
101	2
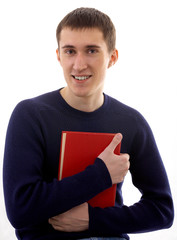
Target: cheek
66	66
101	63
103	67
101	74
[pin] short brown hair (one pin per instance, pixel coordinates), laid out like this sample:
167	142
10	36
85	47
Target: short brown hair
81	18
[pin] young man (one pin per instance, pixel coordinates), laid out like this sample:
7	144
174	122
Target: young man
41	207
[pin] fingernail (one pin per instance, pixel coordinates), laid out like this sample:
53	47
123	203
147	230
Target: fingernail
119	136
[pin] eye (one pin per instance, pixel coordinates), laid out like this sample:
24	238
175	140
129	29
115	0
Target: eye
92	51
69	51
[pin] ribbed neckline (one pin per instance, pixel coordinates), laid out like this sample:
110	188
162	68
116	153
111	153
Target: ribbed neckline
66	107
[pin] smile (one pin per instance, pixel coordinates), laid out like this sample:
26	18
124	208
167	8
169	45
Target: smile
81	78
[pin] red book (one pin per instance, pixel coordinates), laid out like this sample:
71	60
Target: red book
79	150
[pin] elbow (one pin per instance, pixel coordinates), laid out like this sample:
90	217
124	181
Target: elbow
13	213
167	216
169	219
163	213
19	213
15	218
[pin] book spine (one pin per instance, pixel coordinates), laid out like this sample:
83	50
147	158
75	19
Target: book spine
63	143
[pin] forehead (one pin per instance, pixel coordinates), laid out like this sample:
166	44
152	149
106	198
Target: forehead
81	37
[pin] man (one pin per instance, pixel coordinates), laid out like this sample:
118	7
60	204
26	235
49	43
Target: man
41	207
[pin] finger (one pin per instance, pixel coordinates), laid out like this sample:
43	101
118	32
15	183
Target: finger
125	155
115	141
51	221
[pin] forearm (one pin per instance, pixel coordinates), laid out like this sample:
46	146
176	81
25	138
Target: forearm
74	220
153	212
50	199
32	192
145	216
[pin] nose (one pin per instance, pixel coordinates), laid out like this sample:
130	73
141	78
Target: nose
79	62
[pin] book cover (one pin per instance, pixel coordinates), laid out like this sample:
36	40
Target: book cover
79	150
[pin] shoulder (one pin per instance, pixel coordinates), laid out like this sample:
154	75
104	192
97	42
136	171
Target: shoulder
135	125
124	111
46	100
132	120
31	108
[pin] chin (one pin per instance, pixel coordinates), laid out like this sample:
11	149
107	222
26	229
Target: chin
81	92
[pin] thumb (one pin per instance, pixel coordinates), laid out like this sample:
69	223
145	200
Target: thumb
115	141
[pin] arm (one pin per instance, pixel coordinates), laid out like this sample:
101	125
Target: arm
77	219
29	199
155	209
74	220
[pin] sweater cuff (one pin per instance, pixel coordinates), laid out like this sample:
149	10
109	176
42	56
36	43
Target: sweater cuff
103	172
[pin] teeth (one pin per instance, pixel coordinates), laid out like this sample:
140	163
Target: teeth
81	78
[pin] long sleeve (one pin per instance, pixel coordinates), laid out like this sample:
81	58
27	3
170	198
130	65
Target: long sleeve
155	209
31	189
30	199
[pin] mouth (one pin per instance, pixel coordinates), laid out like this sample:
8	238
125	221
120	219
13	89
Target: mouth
81	78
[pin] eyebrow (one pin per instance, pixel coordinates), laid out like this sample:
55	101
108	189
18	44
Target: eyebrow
68	46
88	46
92	46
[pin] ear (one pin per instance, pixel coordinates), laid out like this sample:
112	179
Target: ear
58	55
113	58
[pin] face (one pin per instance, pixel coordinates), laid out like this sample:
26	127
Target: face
84	57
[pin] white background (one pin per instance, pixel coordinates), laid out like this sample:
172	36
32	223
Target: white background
144	77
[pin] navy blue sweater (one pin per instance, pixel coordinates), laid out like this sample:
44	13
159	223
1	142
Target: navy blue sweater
33	194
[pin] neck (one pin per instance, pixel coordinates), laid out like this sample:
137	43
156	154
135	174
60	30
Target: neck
85	104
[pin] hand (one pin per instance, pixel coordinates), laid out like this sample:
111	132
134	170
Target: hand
74	220
117	165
